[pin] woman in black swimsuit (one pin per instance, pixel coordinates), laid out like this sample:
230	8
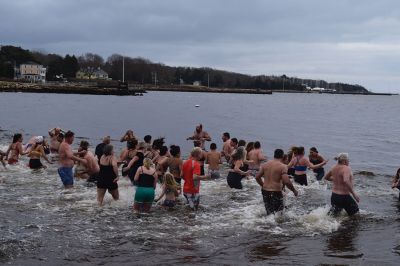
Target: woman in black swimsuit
108	175
238	169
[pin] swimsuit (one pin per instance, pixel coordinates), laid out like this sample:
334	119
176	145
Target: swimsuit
300	179
135	167
106	177
145	189
319	172
35	164
235	179
66	175
214	174
340	202
273	201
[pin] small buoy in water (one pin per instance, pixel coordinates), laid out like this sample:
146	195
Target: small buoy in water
197	105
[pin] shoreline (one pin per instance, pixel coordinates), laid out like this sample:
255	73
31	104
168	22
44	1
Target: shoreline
138	90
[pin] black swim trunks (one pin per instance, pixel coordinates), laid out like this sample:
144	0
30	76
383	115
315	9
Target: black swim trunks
340	202
234	180
35	164
273	201
301	179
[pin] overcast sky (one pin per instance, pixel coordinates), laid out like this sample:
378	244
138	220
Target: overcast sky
354	41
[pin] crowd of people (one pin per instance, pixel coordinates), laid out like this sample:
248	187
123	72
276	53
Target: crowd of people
150	163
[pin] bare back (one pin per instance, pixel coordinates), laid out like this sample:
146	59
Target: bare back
339	173
213	160
273	172
255	157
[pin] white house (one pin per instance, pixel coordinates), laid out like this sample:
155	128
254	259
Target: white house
30	71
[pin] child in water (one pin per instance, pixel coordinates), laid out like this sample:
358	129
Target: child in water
170	189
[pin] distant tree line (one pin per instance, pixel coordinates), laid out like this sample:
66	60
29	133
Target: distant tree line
143	71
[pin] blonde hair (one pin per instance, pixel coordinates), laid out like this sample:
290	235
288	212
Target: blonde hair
147	163
170	182
196	152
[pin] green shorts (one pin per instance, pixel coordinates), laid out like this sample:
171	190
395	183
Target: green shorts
144	195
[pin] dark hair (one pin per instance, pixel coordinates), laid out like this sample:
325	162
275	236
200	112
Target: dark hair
131	144
84	145
158	143
197	143
257	145
242	143
163	150
61	136
239	154
213	146
16	137
69	134
107	150
147	139
227	135
300	150
250	146
174	150
234	140
278	154
313	149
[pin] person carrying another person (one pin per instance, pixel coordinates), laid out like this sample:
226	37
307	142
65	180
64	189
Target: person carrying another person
192	176
200	135
107	179
343	194
300	164
213	158
275	178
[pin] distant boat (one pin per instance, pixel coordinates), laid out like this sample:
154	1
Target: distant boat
197	105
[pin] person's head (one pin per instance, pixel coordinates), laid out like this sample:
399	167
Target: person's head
279	154
197	143
131	144
242	143
313	151
285	159
163	150
239	154
234	142
170	181
108	150
60	137
196	153
84	145
147	163
57	131
147	139
213	146
343	158
158	143
175	150
300	151
69	137
249	146
225	136
39	140
17	138
199	128
107	140
257	145
141	146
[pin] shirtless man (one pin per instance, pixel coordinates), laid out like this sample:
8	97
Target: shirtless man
275	177
342	191
226	148
66	160
90	162
200	135
213	158
256	157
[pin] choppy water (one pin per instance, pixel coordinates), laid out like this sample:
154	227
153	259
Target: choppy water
42	224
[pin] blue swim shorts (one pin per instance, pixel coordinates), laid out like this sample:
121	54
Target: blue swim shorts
66	175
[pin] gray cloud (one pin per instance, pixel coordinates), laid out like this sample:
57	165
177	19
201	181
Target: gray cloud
347	41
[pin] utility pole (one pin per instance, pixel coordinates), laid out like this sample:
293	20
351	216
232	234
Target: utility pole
208	79
123	69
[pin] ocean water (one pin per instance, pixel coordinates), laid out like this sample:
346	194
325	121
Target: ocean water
40	223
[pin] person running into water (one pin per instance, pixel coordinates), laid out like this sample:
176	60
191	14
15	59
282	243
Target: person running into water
147	140
90	162
36	153
238	169
192	176
227	149
256	157
343	194
128	154
66	160
154	152
15	149
99	151
396	181
135	163
202	157
170	189
315	158
292	153
275	178
300	163
213	158
146	180
162	163
175	164
54	139
108	175
200	135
